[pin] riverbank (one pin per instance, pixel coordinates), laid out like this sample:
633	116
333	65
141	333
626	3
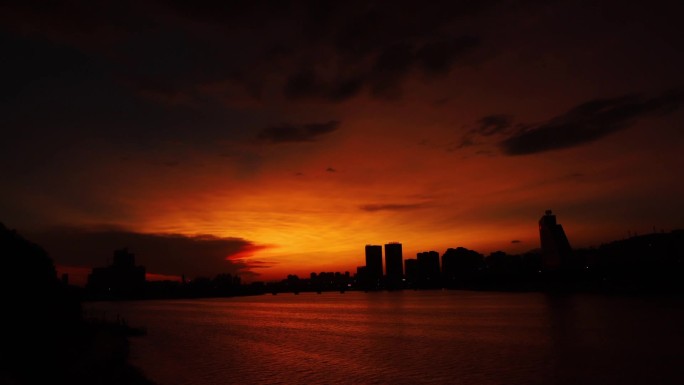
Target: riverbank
86	352
44	336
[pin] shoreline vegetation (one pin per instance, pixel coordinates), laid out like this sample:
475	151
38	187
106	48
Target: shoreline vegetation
45	336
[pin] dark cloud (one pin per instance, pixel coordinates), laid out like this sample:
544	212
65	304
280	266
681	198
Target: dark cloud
466	141
195	56
493	124
392	65
168	254
297	133
392	206
489	125
78	23
306	83
439	57
375	47
160	91
381	71
588	122
516	241
582	124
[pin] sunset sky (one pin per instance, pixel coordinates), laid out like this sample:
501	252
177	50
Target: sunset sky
270	138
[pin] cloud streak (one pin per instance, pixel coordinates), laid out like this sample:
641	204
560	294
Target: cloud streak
493	124
289	133
373	207
588	122
585	123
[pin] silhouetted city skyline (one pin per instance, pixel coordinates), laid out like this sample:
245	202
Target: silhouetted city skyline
650	262
554	266
158	150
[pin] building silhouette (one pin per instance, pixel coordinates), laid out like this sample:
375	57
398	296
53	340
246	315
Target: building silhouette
556	251
460	267
394	265
411	271
122	279
361	278
428	269
373	271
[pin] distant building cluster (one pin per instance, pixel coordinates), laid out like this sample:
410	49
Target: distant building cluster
639	263
371	276
424	271
122	279
458	266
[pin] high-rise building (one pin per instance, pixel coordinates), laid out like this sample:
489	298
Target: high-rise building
555	247
428	269
411	271
374	263
123	259
394	265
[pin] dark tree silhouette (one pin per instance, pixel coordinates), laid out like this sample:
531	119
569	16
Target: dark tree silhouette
40	318
43	334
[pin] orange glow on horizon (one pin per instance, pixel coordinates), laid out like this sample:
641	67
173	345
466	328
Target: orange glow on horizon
316	211
311	207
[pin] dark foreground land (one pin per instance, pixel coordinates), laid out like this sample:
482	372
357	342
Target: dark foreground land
45	338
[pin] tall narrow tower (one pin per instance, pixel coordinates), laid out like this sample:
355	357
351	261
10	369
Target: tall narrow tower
374	263
394	265
555	247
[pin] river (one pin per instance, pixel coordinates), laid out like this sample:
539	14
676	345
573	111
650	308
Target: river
409	337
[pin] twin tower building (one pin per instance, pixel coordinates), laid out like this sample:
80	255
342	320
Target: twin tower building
394	264
423	270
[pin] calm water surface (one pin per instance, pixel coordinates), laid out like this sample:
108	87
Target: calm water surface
429	337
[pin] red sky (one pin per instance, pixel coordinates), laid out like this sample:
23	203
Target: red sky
284	137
